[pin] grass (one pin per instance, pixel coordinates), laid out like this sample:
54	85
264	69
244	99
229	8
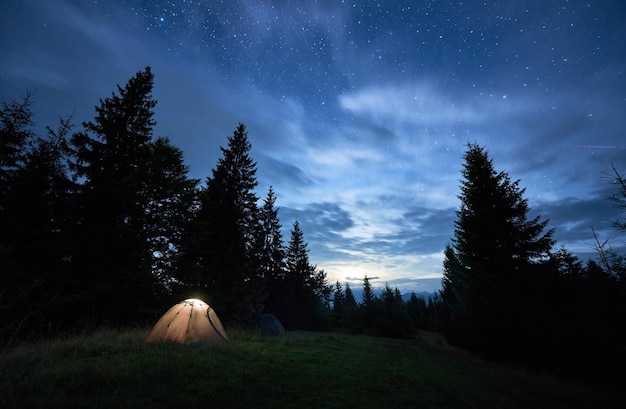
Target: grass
113	369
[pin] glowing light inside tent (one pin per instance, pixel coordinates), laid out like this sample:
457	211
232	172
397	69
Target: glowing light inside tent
189	321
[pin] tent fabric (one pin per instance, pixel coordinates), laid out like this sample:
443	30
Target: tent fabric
268	324
188	322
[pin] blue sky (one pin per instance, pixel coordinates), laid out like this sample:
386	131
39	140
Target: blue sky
358	112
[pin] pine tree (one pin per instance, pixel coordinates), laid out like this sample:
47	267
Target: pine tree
349	316
34	205
305	291
271	254
368	297
493	252
16	134
226	246
339	298
350	300
112	262
417	312
395	321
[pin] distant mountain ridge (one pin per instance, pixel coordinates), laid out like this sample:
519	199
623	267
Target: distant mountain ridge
406	295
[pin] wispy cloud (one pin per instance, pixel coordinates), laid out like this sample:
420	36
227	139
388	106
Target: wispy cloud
420	104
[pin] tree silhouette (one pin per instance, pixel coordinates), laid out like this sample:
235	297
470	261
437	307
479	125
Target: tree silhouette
368	297
112	262
270	252
492	255
34	209
339	298
227	228
305	291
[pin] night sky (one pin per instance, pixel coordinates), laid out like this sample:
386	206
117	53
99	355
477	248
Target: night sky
358	112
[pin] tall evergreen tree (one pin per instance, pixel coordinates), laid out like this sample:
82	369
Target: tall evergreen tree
349	314
34	206
492	256
305	289
270	252
228	219
112	261
16	133
394	321
368	297
16	137
350	299
339	298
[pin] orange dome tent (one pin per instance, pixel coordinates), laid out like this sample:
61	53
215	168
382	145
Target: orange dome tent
188	322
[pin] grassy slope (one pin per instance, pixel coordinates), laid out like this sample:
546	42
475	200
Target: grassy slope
299	370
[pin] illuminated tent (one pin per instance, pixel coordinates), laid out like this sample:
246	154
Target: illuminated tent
188	322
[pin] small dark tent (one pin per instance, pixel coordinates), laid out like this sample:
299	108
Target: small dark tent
188	322
268	324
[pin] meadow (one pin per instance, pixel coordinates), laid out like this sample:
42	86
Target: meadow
116	369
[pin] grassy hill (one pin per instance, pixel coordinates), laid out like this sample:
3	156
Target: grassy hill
114	369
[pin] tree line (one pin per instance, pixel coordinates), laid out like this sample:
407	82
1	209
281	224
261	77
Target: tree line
387	315
104	226
509	295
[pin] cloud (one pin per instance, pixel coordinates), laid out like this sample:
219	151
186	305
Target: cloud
360	279
320	220
282	175
420	104
574	220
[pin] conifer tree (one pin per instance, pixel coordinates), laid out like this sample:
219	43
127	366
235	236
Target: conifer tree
395	321
493	253
34	205
271	255
339	298
113	156
368	297
16	134
349	314
417	312
305	290
226	250
350	301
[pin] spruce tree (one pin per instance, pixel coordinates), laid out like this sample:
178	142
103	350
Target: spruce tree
494	252
226	246
305	291
350	300
112	261
395	321
271	249
368	297
34	205
349	316
270	253
339	298
16	134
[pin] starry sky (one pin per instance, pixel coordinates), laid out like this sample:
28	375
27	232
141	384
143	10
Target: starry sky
358	112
